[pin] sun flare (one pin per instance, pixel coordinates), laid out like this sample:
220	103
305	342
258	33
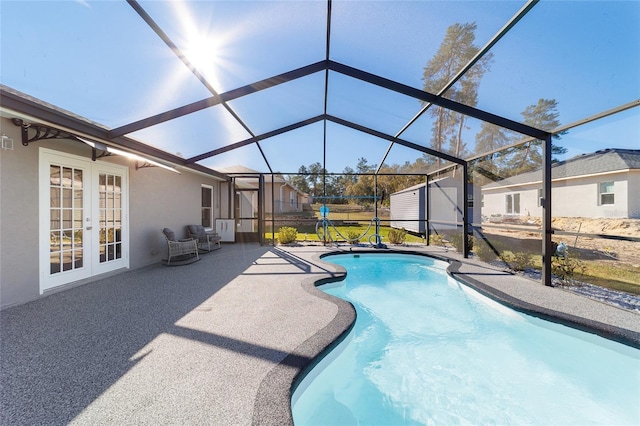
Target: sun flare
203	52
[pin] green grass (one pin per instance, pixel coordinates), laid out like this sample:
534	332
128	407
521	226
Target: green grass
612	275
308	233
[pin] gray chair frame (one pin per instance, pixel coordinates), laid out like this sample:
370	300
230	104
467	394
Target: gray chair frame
206	239
180	248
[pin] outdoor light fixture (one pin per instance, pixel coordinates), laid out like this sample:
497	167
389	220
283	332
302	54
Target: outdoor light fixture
138	158
7	143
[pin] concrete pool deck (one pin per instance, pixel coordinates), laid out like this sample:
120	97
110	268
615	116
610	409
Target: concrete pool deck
219	341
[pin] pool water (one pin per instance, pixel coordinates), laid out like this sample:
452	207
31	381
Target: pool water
427	350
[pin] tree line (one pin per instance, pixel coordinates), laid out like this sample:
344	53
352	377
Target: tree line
456	50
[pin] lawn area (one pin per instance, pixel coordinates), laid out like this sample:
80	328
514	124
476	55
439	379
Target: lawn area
612	275
307	233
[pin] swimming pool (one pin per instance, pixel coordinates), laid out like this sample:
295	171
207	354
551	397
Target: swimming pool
427	350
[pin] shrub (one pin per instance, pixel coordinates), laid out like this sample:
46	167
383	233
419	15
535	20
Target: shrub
353	237
522	260
287	234
436	240
564	267
518	261
484	251
397	236
456	241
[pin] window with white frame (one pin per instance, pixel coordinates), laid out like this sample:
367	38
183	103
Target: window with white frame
606	193
512	204
540	196
293	199
207	206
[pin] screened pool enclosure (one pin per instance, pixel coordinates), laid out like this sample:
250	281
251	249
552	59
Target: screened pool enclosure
492	126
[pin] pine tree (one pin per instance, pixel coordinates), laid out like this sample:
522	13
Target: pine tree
455	51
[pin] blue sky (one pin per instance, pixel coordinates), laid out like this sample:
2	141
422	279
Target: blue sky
99	60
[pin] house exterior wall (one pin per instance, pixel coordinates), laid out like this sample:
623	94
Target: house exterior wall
282	195
157	198
19	237
577	197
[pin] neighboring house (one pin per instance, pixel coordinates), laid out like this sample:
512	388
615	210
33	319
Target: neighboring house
279	195
409	207
602	184
70	213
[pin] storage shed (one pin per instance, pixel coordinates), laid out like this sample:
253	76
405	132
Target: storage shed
410	206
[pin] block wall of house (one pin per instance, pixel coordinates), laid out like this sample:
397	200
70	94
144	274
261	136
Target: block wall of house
580	197
157	198
18	220
570	198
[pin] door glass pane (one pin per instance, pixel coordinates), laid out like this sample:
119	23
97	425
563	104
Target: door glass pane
66	215
54	262
77	256
67	198
66	218
110	216
77	199
67	256
55	241
54	196
67	175
54	215
54	175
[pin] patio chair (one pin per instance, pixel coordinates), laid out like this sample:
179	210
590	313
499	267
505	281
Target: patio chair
207	240
180	251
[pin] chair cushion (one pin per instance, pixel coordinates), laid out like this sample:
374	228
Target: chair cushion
171	236
198	230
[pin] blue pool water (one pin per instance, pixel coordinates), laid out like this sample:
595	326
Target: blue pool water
427	350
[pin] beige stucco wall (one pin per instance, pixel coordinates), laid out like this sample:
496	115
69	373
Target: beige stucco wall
157	198
281	195
570	198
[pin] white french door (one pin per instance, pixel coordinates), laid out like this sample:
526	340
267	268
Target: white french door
83	218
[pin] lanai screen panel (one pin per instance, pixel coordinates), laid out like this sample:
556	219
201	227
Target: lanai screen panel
396	40
369	105
195	133
583	55
346	147
282	105
238	43
248	156
289	151
98	60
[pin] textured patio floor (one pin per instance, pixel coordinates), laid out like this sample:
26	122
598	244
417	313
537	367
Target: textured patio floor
217	342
